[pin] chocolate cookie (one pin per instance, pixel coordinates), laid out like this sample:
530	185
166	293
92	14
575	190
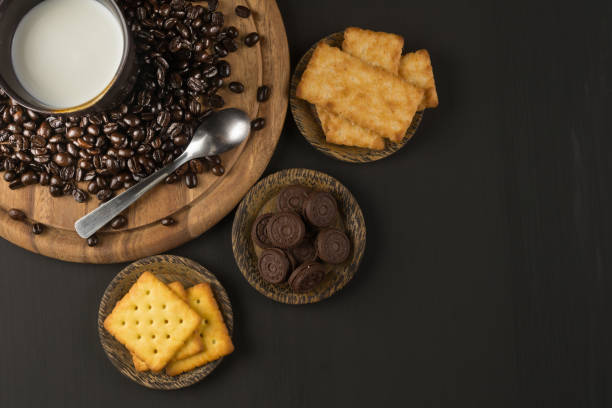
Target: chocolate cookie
307	276
286	230
292	198
273	265
293	263
321	209
304	252
259	234
333	246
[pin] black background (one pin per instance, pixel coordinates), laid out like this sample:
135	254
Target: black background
485	281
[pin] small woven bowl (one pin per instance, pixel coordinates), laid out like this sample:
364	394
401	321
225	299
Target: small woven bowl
260	196
308	123
167	268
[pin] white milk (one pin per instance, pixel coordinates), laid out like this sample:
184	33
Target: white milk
66	52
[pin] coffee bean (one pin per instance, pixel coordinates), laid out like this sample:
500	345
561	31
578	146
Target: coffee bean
29	178
243	12
37	228
93	241
218	170
10	175
236	87
171	179
216	101
263	93
56	191
230	45
168	221
74	133
43	179
180	140
196	166
104	195
16	214
79	195
258	124
93	187
15	184
62	159
224	69
251	39
118	222
191	180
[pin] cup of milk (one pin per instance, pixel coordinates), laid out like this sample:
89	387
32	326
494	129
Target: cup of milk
65	56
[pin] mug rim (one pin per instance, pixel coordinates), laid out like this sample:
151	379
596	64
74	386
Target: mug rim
92	102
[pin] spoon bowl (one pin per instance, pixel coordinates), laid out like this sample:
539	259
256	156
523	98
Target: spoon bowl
219	133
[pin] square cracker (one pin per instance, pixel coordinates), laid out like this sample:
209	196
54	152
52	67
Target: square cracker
152	321
193	345
366	95
373	47
415	67
343	132
217	342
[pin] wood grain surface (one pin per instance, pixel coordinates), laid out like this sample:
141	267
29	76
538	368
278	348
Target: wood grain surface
307	120
166	268
261	198
195	210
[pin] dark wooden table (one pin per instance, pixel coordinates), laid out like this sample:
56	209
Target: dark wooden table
485	281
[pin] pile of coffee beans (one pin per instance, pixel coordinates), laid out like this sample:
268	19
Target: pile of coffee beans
180	50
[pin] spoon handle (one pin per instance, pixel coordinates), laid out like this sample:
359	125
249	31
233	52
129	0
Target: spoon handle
98	218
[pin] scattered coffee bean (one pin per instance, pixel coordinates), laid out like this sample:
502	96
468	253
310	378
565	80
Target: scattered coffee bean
93	241
16	214
79	195
218	170
168	221
258	124
191	180
243	12
263	93
251	39
236	87
37	228
118	222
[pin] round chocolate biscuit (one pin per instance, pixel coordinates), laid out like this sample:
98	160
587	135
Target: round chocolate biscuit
274	265
333	246
292	198
304	252
293	263
286	230
307	277
321	209
259	234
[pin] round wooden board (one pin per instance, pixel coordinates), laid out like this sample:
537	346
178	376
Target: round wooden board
308	122
261	198
167	268
195	210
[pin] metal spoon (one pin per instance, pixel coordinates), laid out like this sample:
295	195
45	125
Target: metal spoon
219	133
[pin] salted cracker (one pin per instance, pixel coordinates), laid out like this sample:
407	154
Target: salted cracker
374	47
217	342
193	345
343	132
152	321
366	95
415	67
